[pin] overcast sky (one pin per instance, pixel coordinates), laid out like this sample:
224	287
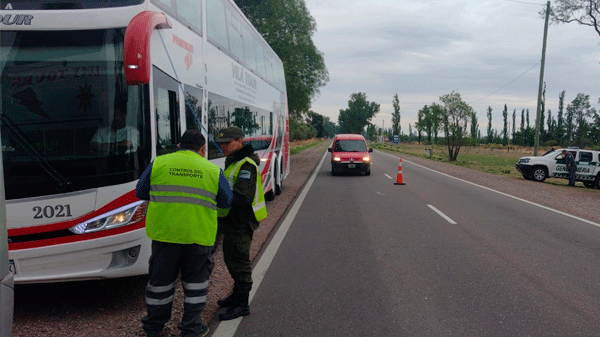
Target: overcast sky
425	49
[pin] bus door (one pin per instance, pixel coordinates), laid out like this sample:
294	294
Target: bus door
167	108
6	270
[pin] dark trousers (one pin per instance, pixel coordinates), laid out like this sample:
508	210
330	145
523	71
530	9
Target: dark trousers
166	262
572	172
236	253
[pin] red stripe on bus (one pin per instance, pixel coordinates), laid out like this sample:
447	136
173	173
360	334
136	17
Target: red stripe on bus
123	200
75	238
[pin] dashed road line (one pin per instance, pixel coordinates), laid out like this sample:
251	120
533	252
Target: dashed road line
452	222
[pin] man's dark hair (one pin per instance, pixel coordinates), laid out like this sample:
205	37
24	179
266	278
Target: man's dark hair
192	140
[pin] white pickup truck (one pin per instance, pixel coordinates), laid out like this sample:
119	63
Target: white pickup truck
552	165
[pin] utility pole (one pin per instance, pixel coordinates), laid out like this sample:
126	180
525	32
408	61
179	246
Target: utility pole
539	100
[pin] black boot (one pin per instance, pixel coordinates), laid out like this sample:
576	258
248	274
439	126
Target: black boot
238	309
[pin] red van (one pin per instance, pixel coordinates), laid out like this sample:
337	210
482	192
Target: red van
349	153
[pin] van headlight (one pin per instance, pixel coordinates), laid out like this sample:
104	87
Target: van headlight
336	158
366	159
126	215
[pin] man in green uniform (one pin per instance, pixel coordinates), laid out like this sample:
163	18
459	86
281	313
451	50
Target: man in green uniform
247	209
186	192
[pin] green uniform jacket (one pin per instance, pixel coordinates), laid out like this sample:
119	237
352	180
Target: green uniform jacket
241	215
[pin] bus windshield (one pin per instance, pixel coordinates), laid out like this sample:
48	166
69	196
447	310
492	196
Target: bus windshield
69	121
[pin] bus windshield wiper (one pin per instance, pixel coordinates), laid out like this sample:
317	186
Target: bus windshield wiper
17	135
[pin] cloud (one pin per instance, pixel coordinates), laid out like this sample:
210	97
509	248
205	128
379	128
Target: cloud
488	51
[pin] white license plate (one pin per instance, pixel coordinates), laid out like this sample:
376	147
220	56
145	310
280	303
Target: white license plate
351	165
11	267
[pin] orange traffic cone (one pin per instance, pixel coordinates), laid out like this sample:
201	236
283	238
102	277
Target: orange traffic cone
399	178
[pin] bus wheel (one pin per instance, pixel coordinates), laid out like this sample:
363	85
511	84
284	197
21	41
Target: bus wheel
278	182
270	196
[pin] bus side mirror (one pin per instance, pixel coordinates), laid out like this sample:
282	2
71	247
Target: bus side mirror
136	49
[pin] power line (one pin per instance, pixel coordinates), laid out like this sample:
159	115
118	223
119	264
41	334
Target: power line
527	3
504	86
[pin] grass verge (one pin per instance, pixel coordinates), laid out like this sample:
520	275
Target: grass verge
301	145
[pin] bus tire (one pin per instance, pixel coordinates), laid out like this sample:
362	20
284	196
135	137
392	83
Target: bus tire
270	196
278	181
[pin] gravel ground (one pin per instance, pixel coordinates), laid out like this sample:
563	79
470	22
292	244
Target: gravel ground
114	307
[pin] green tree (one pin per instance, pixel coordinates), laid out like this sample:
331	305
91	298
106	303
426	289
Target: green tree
454	120
372	132
299	129
505	130
560	127
396	115
549	127
489	128
474	128
513	125
436	111
584	12
578	112
316	120
288	27
329	127
358	115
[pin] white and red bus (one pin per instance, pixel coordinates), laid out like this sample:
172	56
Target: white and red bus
70	70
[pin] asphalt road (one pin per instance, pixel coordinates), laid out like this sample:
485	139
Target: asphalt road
435	257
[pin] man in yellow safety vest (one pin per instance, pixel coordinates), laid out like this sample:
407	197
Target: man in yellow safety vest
186	192
237	227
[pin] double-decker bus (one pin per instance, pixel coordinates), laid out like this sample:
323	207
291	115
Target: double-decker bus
92	91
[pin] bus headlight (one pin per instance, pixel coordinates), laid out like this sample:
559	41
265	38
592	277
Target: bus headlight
126	215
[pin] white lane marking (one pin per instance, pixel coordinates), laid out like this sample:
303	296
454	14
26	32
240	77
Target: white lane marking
442	214
228	328
379	193
388	176
501	193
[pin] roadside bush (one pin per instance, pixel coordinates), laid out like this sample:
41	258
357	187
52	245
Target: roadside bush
300	130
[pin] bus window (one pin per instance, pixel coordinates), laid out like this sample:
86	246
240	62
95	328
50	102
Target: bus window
166	104
260	59
191	11
249	52
236	43
193	108
216	25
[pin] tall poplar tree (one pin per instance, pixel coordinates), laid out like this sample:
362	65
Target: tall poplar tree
490	135
396	115
505	130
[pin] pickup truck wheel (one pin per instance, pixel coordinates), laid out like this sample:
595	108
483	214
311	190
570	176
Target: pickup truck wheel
539	173
589	184
597	182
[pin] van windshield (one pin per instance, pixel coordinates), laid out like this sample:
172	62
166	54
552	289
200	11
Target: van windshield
350	145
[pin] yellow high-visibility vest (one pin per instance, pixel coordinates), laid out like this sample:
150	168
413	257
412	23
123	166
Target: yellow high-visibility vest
183	199
258	203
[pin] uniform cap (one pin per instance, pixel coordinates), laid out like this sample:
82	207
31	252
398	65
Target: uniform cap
229	134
